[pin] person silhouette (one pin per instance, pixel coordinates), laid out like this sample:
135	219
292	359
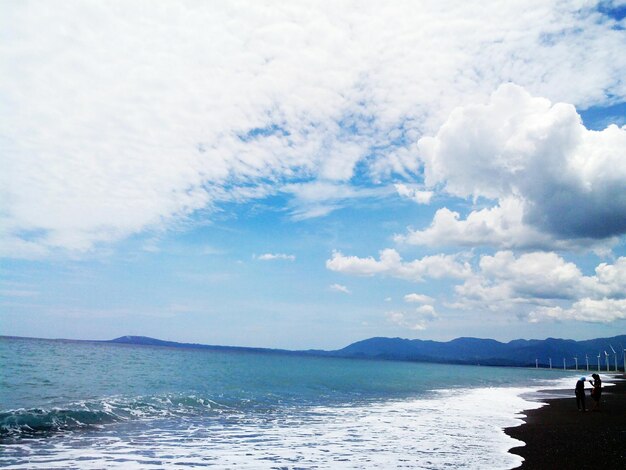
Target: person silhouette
580	394
596	391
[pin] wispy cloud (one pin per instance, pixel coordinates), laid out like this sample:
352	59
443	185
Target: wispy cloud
17	289
418	298
275	256
416	194
339	288
18	293
319	198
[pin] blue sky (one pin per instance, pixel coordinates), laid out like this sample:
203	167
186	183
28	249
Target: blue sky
305	175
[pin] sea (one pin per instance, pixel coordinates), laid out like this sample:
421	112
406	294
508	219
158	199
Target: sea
90	405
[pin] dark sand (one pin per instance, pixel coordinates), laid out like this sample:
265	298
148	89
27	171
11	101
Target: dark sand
558	436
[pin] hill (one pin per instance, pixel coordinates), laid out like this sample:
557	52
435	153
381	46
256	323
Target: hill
490	352
518	352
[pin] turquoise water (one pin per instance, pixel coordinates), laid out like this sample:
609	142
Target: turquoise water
97	405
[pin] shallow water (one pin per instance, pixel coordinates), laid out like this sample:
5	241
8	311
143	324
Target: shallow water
98	405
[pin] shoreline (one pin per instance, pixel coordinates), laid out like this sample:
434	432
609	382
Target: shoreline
557	435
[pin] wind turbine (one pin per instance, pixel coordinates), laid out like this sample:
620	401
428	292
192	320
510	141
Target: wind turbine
537	363
624	357
576	361
599	354
606	359
550	359
587	359
614	354
563	363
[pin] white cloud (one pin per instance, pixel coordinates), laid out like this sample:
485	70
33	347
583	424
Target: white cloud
391	264
587	310
505	278
339	288
418	298
536	286
276	256
319	198
556	182
501	226
610	279
417	319
119	117
418	195
543	286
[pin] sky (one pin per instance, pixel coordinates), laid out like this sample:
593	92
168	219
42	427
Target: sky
309	174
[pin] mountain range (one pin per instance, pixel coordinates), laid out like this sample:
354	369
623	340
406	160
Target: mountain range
520	352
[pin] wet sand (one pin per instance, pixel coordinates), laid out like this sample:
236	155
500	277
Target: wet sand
558	436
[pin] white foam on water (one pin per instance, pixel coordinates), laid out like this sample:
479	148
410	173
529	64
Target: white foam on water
450	429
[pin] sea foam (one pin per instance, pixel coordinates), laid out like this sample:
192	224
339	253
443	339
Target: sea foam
448	429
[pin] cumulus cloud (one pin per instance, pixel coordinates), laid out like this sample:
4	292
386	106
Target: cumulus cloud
340	288
276	256
588	310
542	285
391	264
555	182
119	117
535	286
504	277
417	319
501	225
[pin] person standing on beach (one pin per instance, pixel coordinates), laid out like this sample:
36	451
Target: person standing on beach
596	391
580	394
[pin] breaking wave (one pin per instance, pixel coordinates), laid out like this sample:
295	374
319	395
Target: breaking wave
40	422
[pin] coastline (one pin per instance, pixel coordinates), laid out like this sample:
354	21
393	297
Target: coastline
559	436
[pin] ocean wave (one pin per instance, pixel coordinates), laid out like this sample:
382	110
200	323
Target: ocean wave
40	422
35	422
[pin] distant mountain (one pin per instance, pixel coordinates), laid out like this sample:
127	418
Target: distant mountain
519	352
147	341
488	351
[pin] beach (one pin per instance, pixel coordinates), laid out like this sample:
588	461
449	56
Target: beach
559	436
